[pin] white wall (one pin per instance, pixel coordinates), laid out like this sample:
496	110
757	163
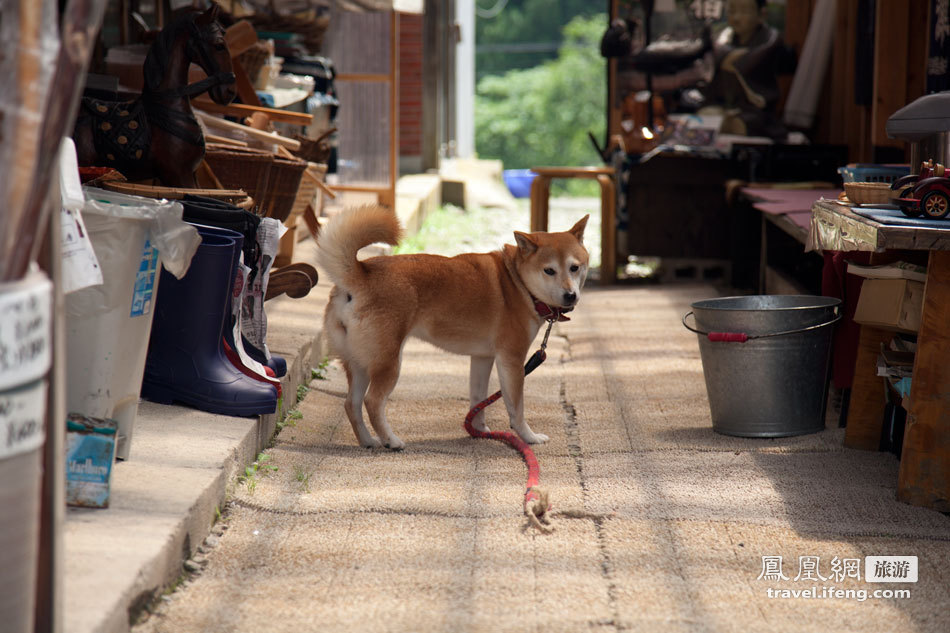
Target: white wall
465	80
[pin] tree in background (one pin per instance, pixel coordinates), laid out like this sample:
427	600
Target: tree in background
541	115
519	34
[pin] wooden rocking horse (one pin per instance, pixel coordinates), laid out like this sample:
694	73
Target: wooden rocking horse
157	135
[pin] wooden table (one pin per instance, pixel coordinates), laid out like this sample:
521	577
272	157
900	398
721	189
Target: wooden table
924	478
787	208
541	190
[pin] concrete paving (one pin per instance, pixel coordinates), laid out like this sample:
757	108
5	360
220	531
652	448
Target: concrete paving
167	496
661	524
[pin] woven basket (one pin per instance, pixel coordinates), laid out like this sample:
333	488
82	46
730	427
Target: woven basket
234	196
272	181
286	174
242	167
254	58
868	192
315	150
307	191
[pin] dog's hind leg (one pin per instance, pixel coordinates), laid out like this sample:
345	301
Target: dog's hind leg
478	377
358	380
382	379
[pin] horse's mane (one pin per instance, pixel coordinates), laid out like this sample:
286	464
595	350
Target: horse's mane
158	53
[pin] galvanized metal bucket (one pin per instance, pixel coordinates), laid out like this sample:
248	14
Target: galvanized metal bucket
765	360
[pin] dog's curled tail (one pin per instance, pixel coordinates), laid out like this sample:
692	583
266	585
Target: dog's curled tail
348	232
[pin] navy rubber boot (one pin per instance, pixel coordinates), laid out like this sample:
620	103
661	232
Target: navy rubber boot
186	361
277	363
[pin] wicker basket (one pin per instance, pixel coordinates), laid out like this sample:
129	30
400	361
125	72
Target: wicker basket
307	191
234	196
868	192
286	174
254	58
315	150
242	167
272	181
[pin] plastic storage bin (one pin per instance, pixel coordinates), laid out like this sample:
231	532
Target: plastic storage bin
108	326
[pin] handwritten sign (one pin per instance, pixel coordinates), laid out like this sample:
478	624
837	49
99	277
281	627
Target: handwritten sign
22	415
25	333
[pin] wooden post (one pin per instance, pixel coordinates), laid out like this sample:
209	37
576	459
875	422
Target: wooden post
890	61
608	230
925	461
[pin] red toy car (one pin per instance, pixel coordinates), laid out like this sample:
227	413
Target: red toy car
926	193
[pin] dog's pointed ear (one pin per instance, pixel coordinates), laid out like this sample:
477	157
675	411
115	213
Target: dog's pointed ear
578	229
526	243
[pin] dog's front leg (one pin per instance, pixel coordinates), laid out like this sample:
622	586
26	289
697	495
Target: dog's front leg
511	377
478	378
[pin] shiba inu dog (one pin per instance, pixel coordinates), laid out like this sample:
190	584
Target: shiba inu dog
488	306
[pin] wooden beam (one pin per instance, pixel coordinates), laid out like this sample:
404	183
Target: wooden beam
890	67
263	137
226	140
243	110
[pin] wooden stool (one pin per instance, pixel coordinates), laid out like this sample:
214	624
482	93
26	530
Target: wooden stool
541	190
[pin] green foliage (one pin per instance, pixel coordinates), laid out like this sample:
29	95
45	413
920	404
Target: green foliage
320	371
303	476
290	419
541	116
259	466
526	33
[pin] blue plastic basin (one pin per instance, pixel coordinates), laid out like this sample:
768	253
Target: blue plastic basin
519	181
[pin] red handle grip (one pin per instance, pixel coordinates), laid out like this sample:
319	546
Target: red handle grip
728	337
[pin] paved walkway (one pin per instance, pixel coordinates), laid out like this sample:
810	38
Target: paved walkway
661	524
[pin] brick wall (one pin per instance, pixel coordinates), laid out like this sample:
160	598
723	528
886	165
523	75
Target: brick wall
410	84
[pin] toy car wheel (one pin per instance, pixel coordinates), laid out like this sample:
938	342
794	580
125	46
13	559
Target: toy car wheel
909	209
935	205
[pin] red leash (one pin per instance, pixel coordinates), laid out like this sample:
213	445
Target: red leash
533	493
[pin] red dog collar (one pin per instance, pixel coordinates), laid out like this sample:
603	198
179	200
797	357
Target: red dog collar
548	313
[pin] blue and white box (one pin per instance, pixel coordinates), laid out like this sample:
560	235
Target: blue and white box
90	453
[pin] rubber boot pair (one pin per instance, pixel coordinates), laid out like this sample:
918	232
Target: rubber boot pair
234	349
211	212
186	361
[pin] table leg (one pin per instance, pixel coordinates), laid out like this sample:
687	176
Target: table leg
608	231
925	460
866	406
544	202
536	193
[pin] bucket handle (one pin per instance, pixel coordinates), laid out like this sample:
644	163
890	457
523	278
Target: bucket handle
742	337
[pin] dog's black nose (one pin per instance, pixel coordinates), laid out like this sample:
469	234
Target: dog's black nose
570	298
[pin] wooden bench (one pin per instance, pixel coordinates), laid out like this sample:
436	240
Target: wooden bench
540	193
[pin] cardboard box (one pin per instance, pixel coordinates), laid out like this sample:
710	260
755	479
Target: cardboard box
892	304
90	453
